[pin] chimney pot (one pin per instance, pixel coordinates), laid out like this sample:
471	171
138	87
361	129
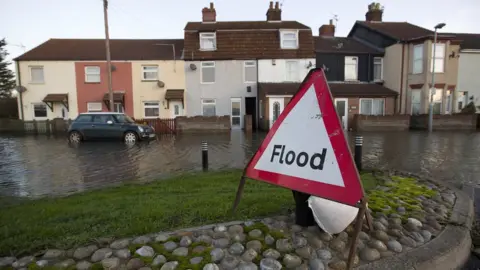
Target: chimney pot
331	22
274	14
271	4
327	30
209	14
211	5
374	13
277	6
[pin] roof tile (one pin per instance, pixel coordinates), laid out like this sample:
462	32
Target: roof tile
342	45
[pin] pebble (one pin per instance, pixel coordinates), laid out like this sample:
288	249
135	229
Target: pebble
111	263
383	220
377	244
196	260
271	253
401	210
235	229
291	261
204	239
434	224
395	232
141	240
325	237
229	262
211	266
255	233
198	249
385	254
417	237
255	245
249	223
42	263
396	221
135	263
299	242
296	228
324	254
337	265
413	224
315	242
84	252
65	264
381	235
269	240
270	264
304	252
159	260
170	266
364	236
379	226
337	244
236	249
396	227
7	261
369	254
161	238
407	241
185	241
170	246
395	246
238	237
249	255
123	253
119	244
101	254
284	245
395	215
218	235
247	266
84	265
316	264
181	251
145	251
220	228
53	254
343	236
145	268
217	254
426	235
221	243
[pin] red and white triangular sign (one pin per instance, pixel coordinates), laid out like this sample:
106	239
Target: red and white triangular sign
306	149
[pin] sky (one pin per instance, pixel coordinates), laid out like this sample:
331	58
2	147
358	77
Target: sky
28	23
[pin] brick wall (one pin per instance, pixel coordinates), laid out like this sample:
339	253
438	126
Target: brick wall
202	124
445	122
381	122
354	108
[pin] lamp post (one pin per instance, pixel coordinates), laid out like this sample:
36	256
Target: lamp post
433	89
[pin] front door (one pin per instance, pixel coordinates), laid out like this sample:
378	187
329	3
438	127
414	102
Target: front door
276	106
176	108
236	113
341	105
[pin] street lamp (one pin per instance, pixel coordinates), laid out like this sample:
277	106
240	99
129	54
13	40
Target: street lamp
433	89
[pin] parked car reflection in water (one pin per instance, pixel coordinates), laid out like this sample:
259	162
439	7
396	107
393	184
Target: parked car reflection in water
106	125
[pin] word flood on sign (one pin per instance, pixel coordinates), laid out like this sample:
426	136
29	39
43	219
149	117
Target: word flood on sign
315	161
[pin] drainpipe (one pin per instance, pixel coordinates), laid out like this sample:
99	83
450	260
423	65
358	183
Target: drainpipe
257	122
401	79
20	94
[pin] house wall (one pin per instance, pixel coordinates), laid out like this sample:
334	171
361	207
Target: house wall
392	68
229	83
469	76
59	78
354	107
171	73
269	72
94	92
335	64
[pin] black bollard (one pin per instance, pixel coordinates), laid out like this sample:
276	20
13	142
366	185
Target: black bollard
303	213
358	152
205	156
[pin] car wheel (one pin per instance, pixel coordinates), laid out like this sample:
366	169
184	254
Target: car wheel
75	137
130	137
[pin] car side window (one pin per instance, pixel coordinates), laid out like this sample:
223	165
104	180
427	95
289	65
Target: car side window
102	118
84	118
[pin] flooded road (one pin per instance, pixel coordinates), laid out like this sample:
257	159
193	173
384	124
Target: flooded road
48	166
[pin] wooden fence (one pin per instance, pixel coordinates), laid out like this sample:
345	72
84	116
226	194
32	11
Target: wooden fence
34	127
161	125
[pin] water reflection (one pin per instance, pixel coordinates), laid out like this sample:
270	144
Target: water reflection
49	166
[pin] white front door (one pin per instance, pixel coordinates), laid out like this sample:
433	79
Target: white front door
276	106
176	108
236	113
341	105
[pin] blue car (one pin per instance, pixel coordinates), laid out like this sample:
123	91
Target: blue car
106	125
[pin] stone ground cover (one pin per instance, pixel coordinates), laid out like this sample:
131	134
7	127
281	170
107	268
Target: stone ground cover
407	212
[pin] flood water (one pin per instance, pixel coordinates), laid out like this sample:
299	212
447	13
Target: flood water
48	166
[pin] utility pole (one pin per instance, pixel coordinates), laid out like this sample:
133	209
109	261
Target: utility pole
109	62
432	89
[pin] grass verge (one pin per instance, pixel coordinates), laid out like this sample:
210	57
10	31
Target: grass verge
129	210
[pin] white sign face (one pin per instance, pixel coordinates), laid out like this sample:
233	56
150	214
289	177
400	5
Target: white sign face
301	146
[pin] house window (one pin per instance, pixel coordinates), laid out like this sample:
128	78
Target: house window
437	101
249	72
418	59
151	109
377	68
208	107
415	99
351	68
36	74
94	106
92	74
461	100
289	39
208	72
438	58
118	107
369	106
291	71
276	110
39	110
149	73
208	41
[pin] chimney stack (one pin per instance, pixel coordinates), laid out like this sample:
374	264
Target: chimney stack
274	13
209	14
374	13
327	30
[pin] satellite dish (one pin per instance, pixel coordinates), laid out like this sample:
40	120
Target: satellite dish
193	66
160	84
20	88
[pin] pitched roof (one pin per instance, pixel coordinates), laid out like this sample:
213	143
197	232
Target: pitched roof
402	31
243	25
342	45
468	41
337	89
94	49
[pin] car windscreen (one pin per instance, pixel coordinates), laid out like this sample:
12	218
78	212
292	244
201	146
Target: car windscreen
122	118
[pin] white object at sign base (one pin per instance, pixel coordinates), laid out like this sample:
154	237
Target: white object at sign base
331	216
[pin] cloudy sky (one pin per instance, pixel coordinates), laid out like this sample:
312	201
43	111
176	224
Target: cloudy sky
27	23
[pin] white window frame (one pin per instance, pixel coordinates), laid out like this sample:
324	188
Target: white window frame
356	68
381	68
117	106
145	106
417	59
43	74
33	110
282	39
372	99
208	36
419	91
438	100
441	57
89	71
248	64
201	71
94	110
209	99
295	78
144	71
